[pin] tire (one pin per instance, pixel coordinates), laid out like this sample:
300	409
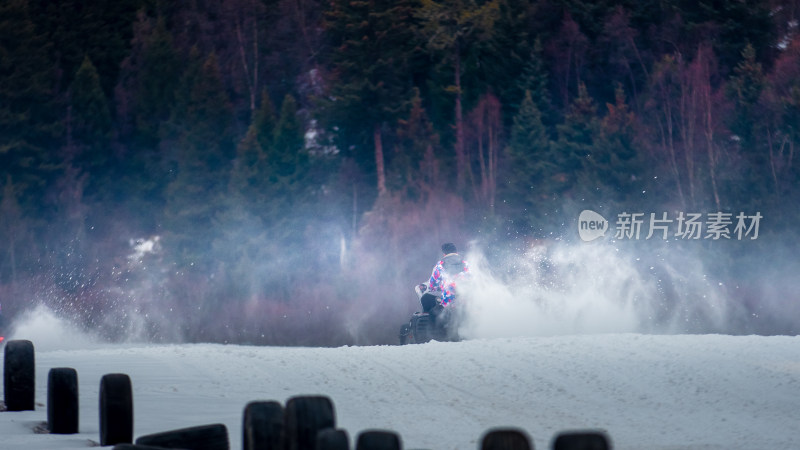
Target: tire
62	401
262	427
19	376
332	439
506	439
379	440
205	437
303	418
116	409
582	440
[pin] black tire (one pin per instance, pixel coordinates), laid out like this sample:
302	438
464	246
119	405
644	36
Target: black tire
581	440
205	437
506	439
332	439
62	401
379	440
116	409
303	418
262	427
19	376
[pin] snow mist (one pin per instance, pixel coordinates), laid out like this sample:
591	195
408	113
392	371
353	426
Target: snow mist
49	332
579	288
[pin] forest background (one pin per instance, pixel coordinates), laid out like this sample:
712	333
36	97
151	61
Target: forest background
283	171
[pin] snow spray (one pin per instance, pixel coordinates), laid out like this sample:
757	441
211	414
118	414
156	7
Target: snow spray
49	332
577	288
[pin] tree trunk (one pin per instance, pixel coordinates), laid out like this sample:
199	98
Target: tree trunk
379	168
251	84
668	137
712	160
255	69
493	149
461	161
13	257
712	165
355	212
479	127
687	122
775	161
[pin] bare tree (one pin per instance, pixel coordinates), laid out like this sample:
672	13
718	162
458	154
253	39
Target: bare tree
568	50
782	103
245	16
701	70
665	87
620	38
486	124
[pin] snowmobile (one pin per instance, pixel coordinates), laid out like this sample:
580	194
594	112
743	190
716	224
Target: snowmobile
434	322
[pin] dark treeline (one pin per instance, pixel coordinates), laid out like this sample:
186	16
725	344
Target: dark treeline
295	164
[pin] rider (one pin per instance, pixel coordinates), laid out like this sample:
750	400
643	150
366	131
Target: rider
451	268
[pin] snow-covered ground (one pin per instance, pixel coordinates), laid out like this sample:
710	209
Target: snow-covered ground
646	391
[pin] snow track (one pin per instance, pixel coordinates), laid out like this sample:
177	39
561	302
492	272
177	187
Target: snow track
646	391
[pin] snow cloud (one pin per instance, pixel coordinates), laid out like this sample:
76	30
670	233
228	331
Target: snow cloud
579	288
49	332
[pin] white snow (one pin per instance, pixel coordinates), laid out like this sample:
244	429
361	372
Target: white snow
647	391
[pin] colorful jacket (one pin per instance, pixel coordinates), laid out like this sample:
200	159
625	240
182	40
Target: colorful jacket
447	271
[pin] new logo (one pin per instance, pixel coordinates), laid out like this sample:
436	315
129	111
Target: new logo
591	225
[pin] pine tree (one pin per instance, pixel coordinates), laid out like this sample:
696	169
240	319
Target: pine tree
272	198
451	30
13	229
534	79
264	122
100	30
144	100
201	125
250	173
530	182
507	54
157	77
576	138
89	119
413	173
615	165
28	113
288	156
245	239
735	24
372	47
287	168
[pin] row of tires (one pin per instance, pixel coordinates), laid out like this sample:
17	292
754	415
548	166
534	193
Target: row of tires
303	423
